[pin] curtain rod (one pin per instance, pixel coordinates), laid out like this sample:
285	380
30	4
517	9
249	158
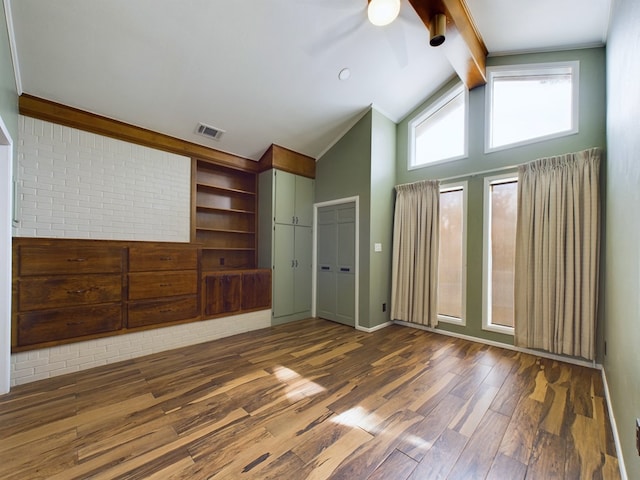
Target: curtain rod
475	174
464	175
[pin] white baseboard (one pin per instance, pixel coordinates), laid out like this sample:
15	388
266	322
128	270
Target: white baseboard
614	428
373	329
538	353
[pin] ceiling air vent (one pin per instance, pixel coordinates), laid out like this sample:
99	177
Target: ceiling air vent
209	131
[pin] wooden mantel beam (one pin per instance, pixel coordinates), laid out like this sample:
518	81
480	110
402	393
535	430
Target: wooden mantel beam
463	47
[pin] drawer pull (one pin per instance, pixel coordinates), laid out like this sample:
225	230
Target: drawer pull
165	284
78	292
79	259
73	324
166	259
166	310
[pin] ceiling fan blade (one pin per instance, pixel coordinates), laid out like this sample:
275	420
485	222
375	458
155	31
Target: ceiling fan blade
339	31
331	4
398	42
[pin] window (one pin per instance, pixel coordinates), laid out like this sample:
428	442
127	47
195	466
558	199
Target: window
440	132
529	103
452	254
500	215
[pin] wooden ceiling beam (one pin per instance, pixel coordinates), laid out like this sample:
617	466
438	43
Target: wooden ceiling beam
463	47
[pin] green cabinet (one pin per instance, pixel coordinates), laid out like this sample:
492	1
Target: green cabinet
285	241
293	203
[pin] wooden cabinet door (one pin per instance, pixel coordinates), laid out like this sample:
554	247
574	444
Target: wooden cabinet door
256	290
223	293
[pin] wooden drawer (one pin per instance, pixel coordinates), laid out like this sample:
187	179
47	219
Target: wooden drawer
56	292
152	258
165	284
67	323
61	260
161	311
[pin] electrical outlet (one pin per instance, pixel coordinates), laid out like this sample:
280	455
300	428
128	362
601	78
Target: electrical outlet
638	435
384	307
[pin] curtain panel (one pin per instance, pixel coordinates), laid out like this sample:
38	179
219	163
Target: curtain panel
415	253
557	254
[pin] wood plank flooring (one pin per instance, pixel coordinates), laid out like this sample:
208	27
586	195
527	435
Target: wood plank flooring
314	400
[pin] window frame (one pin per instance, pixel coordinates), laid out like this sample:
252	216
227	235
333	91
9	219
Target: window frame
486	253
448	187
528	70
431	110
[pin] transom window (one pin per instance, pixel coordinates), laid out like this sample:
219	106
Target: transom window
439	133
530	103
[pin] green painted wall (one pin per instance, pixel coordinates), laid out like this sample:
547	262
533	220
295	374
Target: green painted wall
592	134
363	163
345	171
8	90
622	238
383	170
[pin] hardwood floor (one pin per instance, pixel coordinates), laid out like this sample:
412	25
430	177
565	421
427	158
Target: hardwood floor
314	400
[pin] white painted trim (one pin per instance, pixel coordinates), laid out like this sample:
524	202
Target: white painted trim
614	428
537	353
6	200
12	45
314	253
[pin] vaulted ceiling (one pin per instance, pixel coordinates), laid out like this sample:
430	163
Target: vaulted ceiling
264	71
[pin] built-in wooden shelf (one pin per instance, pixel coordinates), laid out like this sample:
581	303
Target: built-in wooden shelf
224	220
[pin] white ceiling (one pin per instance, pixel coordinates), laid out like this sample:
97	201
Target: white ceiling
266	71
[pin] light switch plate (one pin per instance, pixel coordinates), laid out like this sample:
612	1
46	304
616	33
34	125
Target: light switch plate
377	247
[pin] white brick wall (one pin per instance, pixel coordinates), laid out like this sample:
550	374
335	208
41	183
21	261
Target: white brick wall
75	184
50	362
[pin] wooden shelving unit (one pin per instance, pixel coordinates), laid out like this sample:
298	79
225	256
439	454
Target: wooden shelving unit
224	202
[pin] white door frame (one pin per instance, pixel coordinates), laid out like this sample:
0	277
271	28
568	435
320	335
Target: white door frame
6	209
314	253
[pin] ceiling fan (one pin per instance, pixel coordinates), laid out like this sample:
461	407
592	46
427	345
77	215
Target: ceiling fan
446	20
383	12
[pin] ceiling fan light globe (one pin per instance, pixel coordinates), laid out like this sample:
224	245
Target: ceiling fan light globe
383	12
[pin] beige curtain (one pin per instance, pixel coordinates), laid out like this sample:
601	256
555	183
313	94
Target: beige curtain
415	253
557	245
